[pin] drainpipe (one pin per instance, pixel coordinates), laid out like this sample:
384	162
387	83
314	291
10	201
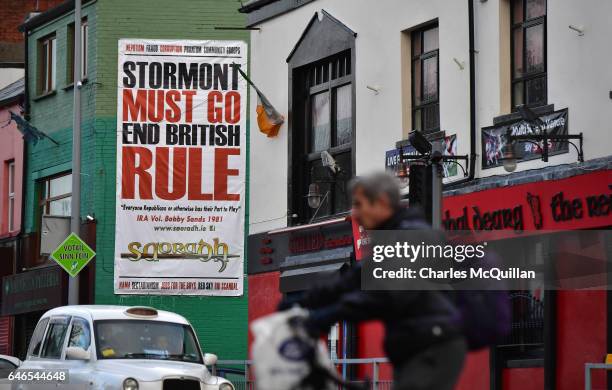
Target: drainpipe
24	158
473	155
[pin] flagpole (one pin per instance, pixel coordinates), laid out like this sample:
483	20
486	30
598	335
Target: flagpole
75	212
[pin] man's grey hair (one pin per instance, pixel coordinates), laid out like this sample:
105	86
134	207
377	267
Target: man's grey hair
378	185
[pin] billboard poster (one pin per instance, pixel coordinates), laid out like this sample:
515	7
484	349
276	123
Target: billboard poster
449	168
494	141
181	166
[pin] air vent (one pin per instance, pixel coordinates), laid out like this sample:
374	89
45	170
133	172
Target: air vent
141	311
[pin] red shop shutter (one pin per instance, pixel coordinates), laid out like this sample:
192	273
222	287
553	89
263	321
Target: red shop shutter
5	335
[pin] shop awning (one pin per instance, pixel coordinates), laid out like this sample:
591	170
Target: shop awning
300	272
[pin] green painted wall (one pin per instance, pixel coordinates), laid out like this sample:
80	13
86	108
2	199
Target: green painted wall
221	323
52	114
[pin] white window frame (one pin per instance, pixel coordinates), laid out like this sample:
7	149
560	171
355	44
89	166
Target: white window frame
49	67
84	47
11	196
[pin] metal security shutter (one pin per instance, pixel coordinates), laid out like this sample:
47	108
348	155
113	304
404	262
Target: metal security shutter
6	330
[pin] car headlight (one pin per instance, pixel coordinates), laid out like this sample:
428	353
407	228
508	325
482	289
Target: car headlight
226	386
130	384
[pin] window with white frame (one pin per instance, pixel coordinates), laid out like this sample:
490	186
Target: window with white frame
47	63
84	49
57	195
11	196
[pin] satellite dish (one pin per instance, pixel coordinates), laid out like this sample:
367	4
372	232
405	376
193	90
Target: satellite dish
329	162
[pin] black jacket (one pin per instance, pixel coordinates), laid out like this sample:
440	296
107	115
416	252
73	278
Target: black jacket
413	320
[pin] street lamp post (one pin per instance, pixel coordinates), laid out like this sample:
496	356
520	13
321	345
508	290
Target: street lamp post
75	212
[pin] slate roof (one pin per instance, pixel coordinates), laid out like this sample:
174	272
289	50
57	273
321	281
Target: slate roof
12	92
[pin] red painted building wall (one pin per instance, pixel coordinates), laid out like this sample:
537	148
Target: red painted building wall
581	321
581	337
11	150
264	296
476	373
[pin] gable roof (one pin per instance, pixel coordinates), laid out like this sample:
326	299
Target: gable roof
12	93
49	15
330	22
253	5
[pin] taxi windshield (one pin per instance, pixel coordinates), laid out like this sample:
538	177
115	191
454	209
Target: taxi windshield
141	339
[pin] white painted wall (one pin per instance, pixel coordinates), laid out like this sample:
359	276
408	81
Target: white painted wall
579	74
10	75
579	77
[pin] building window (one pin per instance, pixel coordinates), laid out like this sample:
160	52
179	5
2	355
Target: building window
84	49
524	345
47	50
528	52
425	79
57	196
327	86
322	120
10	217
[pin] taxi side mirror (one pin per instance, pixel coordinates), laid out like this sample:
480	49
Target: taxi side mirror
210	359
77	353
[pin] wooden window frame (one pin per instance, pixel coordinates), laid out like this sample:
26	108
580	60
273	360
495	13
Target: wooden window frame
323	38
525	77
421	57
328	84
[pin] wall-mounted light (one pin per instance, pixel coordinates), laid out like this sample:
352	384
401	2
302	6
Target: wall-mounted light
541	140
314	196
427	154
510	157
419	142
315	199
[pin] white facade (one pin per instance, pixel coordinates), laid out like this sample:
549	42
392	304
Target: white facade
579	78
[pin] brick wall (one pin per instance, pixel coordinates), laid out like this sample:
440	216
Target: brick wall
14	12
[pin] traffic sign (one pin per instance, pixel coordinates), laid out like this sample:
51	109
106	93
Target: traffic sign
73	254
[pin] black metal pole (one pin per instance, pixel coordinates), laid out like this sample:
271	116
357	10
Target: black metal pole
545	146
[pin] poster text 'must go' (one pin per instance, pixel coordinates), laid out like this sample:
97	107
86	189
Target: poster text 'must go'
190	112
